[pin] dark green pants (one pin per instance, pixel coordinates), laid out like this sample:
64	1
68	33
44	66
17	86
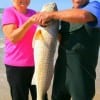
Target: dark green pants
74	75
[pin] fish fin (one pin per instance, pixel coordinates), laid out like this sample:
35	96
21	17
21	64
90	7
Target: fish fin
59	37
33	82
38	36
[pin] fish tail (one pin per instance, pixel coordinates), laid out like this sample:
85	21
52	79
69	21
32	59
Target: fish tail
43	81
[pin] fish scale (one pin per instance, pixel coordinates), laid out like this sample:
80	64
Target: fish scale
44	44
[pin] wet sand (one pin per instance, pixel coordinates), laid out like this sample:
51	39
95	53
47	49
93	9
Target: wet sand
4	88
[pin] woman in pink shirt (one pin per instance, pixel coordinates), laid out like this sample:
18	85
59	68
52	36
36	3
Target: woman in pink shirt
18	27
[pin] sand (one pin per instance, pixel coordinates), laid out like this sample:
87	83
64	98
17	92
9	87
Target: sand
4	88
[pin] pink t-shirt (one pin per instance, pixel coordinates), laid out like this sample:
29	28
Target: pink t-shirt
21	53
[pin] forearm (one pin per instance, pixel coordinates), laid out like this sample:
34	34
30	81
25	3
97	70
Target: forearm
73	15
14	33
20	32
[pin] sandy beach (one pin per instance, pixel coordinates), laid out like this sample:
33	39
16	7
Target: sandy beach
4	88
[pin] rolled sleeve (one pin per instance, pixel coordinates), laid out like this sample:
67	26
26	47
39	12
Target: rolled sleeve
94	8
8	17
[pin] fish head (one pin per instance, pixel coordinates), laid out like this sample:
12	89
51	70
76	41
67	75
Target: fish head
52	6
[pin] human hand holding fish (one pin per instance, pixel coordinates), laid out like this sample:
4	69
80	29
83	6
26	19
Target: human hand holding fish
42	18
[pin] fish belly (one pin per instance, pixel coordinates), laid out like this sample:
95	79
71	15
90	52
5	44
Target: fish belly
44	61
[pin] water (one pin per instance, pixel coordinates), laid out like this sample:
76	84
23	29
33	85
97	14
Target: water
0	24
1	39
1	34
